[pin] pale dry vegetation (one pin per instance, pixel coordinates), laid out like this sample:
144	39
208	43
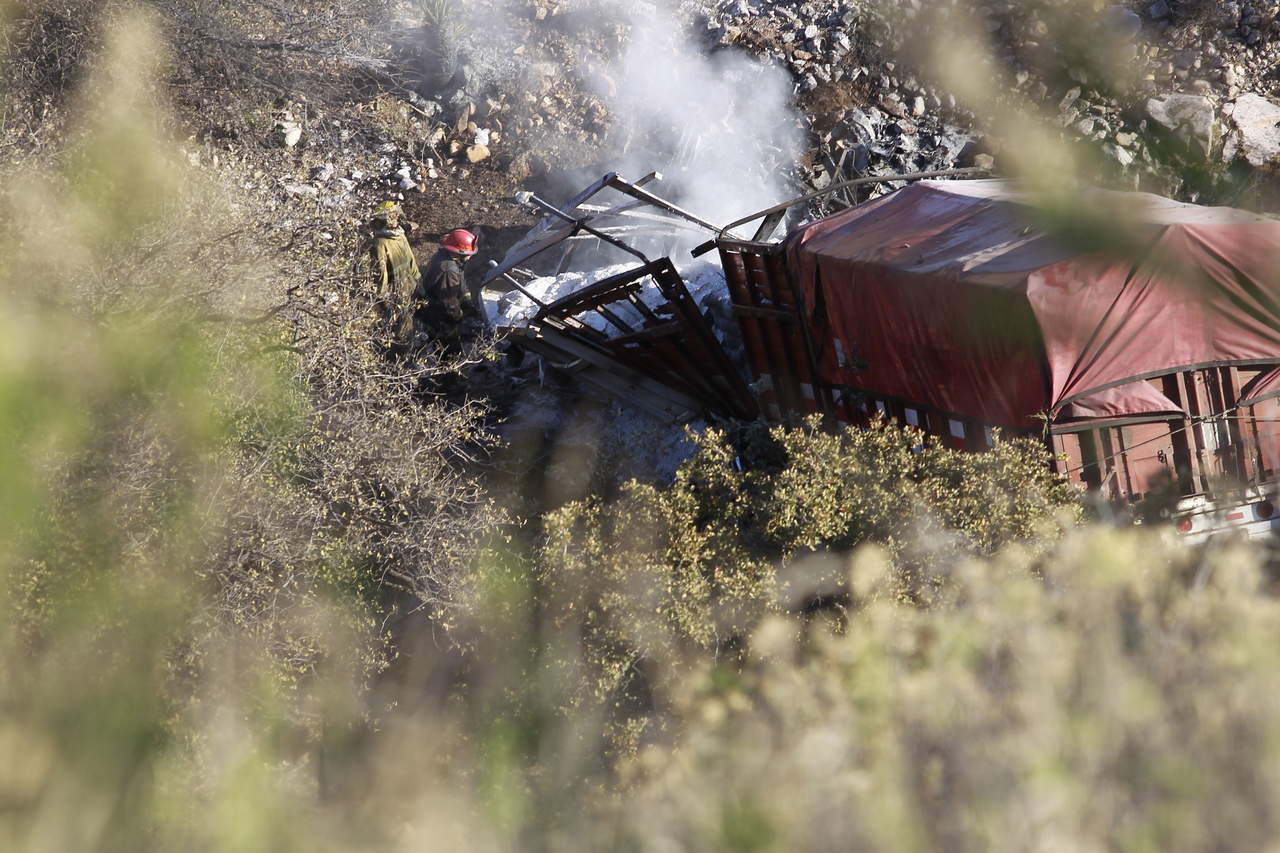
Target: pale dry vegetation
247	605
186	376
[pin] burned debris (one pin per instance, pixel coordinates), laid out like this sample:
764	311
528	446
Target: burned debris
636	331
943	306
734	345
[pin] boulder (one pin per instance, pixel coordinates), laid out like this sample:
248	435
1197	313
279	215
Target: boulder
1258	122
1187	115
893	106
1121	155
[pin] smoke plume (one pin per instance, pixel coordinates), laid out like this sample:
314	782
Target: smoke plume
722	122
717	123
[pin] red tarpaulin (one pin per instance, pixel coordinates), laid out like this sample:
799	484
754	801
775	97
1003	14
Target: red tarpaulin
948	294
1265	387
1135	400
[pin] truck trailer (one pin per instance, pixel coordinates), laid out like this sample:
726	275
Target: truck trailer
1148	359
1141	344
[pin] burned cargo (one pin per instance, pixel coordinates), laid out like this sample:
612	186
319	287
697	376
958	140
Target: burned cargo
949	307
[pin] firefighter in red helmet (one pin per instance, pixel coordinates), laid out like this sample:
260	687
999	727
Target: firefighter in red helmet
460	242
444	283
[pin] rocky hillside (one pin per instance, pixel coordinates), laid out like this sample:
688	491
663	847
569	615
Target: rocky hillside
1178	106
454	107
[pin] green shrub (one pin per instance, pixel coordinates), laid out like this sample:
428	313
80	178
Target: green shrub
695	565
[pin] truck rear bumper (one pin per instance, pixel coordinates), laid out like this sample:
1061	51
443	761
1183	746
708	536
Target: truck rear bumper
1253	515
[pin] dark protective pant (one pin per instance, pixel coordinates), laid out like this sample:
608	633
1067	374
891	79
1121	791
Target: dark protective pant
444	327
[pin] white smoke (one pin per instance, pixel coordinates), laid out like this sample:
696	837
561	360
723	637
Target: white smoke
722	121
717	123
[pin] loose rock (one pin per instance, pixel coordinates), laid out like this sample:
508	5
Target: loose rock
289	133
1257	120
1188	115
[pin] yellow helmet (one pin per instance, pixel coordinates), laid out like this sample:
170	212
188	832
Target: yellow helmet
383	209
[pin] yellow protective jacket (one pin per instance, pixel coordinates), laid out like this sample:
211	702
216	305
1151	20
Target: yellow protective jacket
397	283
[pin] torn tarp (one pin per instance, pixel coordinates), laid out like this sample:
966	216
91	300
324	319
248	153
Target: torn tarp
1136	401
950	295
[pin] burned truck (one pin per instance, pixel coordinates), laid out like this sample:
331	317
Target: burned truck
1152	369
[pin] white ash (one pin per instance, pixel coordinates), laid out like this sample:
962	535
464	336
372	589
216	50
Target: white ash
704	279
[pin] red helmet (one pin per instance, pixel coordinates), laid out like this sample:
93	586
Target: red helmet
460	242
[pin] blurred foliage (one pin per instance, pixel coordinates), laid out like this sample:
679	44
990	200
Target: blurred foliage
215	497
199	563
1097	698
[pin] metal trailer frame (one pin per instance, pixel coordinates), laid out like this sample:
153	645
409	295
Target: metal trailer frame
771	313
672	343
1224	444
654	348
597	370
1219	439
782	352
563	228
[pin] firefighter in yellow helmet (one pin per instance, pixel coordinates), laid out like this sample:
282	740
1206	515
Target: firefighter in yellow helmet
394	274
